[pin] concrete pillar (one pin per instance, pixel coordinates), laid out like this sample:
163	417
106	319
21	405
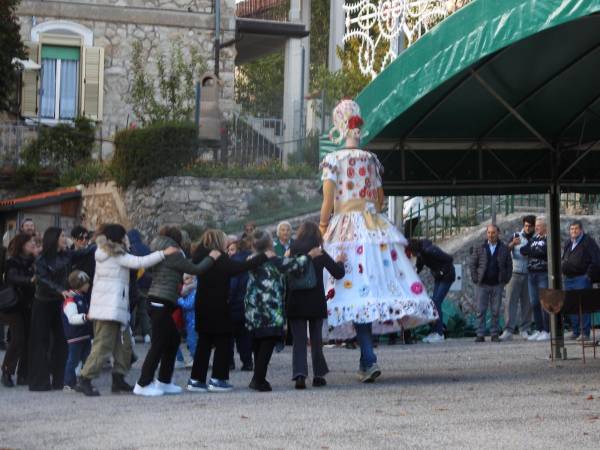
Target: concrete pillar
295	84
336	34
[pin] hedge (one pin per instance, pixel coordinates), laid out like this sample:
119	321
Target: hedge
143	155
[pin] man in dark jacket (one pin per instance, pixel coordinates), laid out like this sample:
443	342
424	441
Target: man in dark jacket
580	261
442	269
491	269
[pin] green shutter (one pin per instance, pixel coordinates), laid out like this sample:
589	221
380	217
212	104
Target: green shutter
58	52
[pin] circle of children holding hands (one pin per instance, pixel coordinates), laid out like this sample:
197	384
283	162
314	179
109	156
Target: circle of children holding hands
350	270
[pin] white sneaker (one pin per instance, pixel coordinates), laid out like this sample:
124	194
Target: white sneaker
168	388
147	339
428	337
534	336
506	336
435	338
543	336
147	391
524	334
570	336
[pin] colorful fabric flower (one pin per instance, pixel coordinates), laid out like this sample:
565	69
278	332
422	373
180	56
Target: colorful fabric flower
355	122
350	185
360	249
383	247
362	193
352	161
386	263
330	294
350	172
416	287
364	291
362	171
348	284
360	268
394	254
367	182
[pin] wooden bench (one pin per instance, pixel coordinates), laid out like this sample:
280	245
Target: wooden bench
578	302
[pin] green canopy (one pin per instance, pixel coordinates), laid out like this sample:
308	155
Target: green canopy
499	97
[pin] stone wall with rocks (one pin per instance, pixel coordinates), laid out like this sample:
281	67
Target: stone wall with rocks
117	24
189	200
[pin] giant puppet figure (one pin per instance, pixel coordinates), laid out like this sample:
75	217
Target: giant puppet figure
380	284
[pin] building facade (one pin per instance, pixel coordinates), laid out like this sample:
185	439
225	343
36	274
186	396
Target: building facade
84	53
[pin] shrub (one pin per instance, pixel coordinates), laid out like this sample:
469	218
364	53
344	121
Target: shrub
61	147
158	150
85	173
269	170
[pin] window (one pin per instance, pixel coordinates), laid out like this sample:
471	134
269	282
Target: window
59	82
70	81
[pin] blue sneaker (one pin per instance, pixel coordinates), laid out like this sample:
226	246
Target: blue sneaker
215	385
196	386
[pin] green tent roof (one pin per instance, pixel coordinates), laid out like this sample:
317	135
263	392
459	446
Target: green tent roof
499	97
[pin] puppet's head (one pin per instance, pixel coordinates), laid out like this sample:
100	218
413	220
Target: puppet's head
346	121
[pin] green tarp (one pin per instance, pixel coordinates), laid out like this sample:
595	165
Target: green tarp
396	103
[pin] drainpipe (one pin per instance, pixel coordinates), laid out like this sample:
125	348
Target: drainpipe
217	44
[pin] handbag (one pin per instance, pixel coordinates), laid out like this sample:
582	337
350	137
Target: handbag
305	280
8	298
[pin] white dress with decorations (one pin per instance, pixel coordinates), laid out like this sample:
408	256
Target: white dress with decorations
380	284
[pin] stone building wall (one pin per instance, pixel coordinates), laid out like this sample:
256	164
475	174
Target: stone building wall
187	200
117	24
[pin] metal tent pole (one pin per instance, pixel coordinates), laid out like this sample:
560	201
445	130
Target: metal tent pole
557	346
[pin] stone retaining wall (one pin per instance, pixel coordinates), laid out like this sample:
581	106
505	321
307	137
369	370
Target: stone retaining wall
190	200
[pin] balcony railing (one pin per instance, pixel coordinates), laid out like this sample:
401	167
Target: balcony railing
276	10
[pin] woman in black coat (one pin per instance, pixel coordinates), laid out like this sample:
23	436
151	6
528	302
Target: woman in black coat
309	306
47	346
213	315
19	275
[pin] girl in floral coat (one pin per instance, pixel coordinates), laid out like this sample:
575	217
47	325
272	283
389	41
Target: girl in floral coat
264	304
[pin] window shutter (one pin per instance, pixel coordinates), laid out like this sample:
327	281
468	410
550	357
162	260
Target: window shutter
29	84
92	81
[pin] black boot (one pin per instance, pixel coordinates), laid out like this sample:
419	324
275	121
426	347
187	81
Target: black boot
86	388
119	384
7	380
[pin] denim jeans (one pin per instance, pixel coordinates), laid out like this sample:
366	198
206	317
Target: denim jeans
572	284
364	336
78	352
538	280
440	290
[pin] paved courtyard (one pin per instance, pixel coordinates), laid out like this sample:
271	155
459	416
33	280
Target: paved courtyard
455	395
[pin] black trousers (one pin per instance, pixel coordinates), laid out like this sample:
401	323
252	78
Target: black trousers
243	341
220	369
165	342
263	350
410	227
16	352
48	348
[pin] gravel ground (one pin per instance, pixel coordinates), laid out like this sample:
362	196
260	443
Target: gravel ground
453	395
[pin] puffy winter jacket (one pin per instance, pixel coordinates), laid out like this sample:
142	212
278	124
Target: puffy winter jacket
520	261
166	276
110	296
584	259
479	263
537	252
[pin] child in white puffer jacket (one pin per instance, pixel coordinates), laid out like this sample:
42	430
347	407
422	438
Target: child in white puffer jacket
109	307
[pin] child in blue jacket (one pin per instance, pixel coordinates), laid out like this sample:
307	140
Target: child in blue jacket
78	330
186	302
